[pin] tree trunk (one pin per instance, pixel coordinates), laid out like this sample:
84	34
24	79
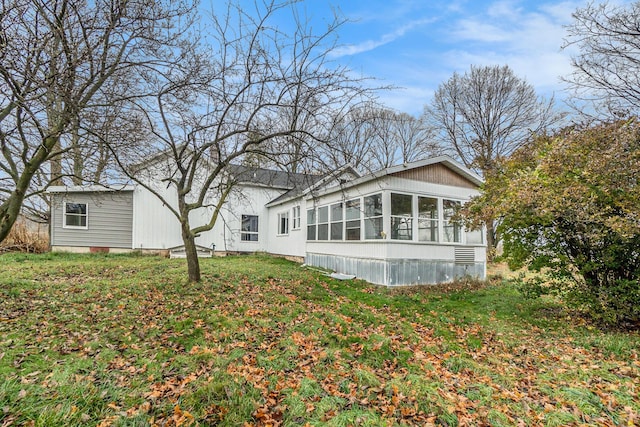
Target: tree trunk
193	263
491	240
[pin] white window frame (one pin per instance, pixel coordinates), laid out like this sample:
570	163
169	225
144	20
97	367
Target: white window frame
283	231
247	232
295	220
65	214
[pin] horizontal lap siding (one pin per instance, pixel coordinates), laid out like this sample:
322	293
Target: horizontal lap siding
110	220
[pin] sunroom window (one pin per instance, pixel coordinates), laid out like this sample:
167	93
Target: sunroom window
452	230
373	217
427	219
336	221
401	216
352	216
311	224
323	223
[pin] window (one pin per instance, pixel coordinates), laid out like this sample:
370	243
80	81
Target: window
337	224
427	219
74	215
249	228
401	216
283	223
311	224
296	218
452	230
352	216
373	217
323	223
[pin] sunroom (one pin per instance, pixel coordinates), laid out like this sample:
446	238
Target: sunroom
395	231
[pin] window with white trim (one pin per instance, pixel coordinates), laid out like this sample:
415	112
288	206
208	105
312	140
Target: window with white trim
373	217
401	216
451	230
283	223
74	215
295	218
427	219
352	217
311	224
249	231
337	224
323	223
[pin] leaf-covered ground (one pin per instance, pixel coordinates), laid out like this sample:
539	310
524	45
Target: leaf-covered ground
123	340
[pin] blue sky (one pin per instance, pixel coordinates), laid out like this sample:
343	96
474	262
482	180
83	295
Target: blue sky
418	44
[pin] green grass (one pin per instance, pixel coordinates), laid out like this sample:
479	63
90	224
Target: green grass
124	340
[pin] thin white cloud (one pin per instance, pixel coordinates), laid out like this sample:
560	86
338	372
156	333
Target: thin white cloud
369	45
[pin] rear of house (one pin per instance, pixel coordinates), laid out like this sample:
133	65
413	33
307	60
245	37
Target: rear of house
393	227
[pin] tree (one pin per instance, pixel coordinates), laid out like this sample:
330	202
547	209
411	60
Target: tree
568	205
371	137
63	62
223	105
606	69
484	115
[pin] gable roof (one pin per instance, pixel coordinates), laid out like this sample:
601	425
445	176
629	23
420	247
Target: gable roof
444	160
271	178
312	184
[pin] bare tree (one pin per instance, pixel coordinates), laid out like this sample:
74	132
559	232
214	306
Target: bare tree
223	105
58	60
484	115
607	67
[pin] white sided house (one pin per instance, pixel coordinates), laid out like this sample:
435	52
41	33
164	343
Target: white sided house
392	227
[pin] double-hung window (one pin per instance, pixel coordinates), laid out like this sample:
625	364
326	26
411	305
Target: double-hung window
451	230
352	216
427	219
296	218
283	223
74	215
373	217
311	224
323	223
249	231
401	216
337	224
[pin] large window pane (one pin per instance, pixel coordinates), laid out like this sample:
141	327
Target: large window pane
373	228
352	214
427	219
353	230
401	216
337	225
323	231
452	230
373	217
373	205
323	214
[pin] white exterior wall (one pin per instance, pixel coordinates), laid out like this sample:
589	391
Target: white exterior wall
245	200
293	243
155	227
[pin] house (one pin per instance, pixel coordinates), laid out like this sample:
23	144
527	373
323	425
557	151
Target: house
392	227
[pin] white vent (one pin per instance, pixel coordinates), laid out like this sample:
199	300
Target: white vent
464	255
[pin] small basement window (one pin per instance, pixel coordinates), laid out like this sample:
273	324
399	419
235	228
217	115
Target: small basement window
74	215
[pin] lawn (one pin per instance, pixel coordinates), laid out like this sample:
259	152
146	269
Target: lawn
123	340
